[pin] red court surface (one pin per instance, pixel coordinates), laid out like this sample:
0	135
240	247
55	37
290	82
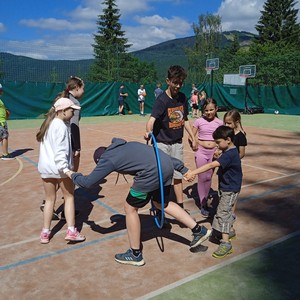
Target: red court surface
268	209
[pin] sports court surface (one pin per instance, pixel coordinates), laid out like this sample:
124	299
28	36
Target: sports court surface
264	265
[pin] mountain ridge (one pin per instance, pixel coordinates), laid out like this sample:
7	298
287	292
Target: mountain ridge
23	68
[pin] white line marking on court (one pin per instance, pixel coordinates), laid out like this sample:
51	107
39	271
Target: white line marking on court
218	266
267	170
63	232
16	174
269	180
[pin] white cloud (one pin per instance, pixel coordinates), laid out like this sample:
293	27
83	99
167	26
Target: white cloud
74	29
240	15
57	24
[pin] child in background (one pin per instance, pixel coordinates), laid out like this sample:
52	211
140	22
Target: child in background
4	115
194	103
74	91
141	98
204	127
55	160
202	98
232	119
230	182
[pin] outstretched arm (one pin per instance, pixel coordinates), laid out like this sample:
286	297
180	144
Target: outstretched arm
202	169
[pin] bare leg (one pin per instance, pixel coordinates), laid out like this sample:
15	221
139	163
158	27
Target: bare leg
178	186
5	146
76	159
133	225
67	188
50	193
174	210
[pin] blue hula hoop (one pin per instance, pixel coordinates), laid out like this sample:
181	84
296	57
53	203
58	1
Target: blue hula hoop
161	186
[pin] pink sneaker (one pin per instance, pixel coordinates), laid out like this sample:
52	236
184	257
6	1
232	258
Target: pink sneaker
74	236
45	237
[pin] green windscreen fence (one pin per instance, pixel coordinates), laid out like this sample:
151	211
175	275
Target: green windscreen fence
28	100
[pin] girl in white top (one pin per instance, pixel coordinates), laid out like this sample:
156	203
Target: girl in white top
55	159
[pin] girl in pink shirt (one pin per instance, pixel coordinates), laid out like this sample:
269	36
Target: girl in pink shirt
204	127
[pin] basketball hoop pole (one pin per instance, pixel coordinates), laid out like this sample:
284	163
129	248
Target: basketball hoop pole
211	82
247	110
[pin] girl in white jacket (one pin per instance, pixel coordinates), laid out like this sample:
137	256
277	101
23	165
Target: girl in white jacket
55	159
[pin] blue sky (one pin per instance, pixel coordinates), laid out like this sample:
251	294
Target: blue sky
63	29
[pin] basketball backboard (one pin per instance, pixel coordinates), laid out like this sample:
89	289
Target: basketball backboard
247	71
212	64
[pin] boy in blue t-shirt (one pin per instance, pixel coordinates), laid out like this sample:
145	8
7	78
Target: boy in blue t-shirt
230	181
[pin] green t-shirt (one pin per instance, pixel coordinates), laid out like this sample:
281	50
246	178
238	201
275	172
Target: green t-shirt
2	112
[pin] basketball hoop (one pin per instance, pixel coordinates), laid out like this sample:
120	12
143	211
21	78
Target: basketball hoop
208	71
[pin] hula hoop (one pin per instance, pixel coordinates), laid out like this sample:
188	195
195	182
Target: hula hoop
161	186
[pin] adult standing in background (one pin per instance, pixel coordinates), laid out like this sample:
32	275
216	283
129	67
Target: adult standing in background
121	99
158	91
141	98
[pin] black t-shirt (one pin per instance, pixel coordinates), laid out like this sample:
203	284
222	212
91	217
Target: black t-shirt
170	115
240	140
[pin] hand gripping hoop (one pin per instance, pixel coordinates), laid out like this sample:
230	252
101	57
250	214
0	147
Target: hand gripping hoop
161	186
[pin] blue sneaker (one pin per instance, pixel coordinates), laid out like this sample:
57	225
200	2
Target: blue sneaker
200	237
128	258
7	156
204	213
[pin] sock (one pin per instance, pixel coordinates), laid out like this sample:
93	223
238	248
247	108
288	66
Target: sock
136	252
46	230
71	228
180	204
196	229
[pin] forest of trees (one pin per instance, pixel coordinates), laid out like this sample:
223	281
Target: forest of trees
275	51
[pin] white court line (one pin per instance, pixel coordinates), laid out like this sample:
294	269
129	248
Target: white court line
62	232
218	266
269	180
16	174
264	169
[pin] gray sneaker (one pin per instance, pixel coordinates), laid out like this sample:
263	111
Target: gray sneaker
128	258
223	250
200	237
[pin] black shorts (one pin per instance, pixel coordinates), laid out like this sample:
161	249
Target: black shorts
195	106
154	195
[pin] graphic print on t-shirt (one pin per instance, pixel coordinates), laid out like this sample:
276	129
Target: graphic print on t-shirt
176	117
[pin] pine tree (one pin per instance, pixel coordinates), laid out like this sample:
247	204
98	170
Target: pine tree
278	22
110	45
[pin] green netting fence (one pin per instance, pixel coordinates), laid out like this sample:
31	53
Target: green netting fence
29	100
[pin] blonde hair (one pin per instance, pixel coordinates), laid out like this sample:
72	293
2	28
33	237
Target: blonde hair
235	116
45	125
50	115
72	83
